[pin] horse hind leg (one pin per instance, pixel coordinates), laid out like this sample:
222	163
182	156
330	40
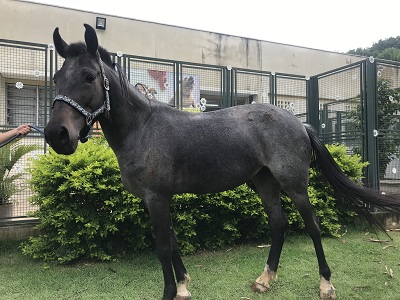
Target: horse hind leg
302	203
269	190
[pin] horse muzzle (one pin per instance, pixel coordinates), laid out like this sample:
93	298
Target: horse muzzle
60	138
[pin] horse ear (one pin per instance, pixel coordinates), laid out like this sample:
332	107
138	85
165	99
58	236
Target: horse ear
91	39
59	43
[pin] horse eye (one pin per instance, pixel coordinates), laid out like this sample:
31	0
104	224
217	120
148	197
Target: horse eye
90	78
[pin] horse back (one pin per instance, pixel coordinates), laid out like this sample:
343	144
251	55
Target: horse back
180	152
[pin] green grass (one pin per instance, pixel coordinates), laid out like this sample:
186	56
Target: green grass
358	267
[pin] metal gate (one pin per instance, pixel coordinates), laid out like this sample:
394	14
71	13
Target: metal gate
341	104
359	105
388	124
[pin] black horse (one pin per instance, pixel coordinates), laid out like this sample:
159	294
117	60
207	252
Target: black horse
163	151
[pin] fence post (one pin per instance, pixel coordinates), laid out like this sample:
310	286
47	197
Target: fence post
49	83
177	87
230	92
312	95
371	125
272	89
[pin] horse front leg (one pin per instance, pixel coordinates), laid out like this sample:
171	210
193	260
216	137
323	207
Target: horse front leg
182	277
159	211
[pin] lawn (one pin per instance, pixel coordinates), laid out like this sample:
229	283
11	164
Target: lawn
362	269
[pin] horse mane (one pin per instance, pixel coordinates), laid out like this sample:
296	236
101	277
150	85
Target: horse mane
79	48
122	79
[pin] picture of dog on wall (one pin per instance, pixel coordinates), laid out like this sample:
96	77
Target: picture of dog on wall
187	92
190	91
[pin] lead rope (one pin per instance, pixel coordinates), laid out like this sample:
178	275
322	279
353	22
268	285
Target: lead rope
18	135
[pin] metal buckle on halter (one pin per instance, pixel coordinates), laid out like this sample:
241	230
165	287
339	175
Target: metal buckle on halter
89	120
106	83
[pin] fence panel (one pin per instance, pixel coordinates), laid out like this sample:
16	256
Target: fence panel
388	131
155	79
341	104
251	87
201	87
24	99
291	94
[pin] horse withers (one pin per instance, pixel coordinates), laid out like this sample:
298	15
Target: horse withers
159	155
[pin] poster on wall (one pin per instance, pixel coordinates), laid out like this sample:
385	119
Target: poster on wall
159	85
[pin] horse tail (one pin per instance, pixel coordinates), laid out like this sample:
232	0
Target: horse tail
357	196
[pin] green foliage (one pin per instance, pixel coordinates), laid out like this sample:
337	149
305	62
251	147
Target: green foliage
85	212
83	209
385	49
9	155
212	221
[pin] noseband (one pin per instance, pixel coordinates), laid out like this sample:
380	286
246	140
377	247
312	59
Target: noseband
90	117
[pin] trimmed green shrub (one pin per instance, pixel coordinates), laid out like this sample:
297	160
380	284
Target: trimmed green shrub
213	221
85	212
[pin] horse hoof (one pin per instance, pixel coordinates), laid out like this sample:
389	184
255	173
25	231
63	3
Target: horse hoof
182	292
328	294
259	288
182	297
326	289
262	283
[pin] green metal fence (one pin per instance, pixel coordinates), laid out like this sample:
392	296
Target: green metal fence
24	95
342	104
388	127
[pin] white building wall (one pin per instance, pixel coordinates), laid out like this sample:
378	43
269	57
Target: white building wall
31	22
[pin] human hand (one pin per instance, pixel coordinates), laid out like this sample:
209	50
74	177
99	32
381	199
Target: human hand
23	129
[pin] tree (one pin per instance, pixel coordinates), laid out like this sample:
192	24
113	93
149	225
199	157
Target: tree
384	49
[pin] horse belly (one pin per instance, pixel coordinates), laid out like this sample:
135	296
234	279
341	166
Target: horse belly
215	174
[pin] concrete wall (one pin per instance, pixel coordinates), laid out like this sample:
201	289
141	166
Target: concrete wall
18	231
31	22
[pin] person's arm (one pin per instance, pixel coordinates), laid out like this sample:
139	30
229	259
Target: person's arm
20	130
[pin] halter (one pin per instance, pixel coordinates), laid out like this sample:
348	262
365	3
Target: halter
90	117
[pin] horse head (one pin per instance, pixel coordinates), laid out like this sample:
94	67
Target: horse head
82	88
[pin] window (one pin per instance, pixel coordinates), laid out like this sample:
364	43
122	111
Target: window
26	105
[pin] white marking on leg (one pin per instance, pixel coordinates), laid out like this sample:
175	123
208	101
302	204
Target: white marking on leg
182	289
326	289
262	283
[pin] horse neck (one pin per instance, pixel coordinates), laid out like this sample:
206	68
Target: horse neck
129	110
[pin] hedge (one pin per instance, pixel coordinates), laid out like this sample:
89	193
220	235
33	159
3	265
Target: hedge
85	213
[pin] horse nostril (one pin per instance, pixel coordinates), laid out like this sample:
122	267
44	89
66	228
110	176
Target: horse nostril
56	135
63	134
